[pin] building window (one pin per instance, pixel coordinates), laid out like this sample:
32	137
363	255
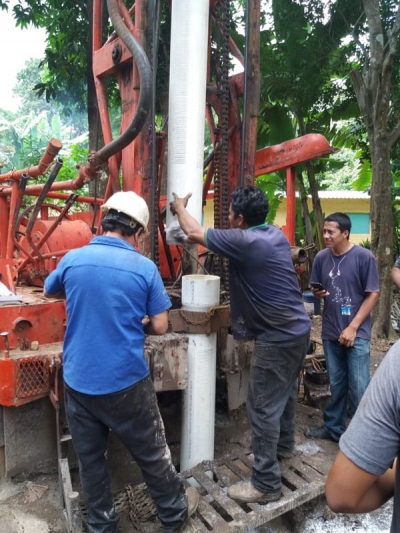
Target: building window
359	223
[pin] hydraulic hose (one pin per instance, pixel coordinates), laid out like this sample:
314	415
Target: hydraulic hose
144	103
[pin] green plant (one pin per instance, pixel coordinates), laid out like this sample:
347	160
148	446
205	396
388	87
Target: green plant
365	244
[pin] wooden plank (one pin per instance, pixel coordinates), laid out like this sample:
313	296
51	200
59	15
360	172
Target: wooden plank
292	478
267	512
319	462
70	498
212	517
286	491
237	470
197	524
220	496
308	473
226	475
247	459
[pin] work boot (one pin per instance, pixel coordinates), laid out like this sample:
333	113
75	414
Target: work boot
193	498
245	492
286	454
319	433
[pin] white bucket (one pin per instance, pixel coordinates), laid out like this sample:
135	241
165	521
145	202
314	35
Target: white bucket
199	292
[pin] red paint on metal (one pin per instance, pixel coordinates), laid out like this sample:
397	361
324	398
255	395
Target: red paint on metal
290	153
291	204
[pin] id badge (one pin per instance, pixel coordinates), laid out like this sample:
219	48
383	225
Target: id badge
346	310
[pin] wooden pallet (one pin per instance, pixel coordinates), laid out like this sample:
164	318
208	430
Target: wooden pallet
303	479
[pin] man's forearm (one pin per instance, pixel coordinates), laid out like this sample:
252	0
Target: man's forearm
190	226
59	295
349	489
365	309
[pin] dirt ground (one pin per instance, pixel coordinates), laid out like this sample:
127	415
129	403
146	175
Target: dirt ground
33	505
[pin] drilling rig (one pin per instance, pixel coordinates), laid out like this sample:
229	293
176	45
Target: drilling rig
35	235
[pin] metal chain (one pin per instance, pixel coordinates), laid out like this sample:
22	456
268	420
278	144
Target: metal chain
221	159
225	110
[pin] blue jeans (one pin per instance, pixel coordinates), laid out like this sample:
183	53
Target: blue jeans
133	415
349	376
271	404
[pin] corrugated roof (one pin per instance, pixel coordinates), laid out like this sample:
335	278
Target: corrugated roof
338	195
350	195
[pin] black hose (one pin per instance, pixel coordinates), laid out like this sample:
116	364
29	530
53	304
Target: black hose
144	70
42	196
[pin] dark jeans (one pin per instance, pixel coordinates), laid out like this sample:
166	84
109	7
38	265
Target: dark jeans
133	415
349	376
271	404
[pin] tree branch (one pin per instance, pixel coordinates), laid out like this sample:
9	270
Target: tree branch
354	35
359	87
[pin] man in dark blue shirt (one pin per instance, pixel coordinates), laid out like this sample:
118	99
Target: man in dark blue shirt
349	284
110	288
267	306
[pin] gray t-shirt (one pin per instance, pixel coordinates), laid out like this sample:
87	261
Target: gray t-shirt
266	301
372	440
347	278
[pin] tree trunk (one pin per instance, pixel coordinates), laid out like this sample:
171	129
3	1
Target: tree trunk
319	217
382	231
316	203
373	92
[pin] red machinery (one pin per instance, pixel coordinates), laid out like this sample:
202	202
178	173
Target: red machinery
34	238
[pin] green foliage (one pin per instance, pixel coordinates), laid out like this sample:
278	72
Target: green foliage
271	185
23	141
31	102
341	172
365	244
66	64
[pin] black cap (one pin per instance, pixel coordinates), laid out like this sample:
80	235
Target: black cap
113	214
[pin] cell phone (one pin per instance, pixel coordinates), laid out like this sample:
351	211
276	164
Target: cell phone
317	286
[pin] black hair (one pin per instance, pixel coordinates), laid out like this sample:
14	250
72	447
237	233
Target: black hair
119	222
341	219
251	203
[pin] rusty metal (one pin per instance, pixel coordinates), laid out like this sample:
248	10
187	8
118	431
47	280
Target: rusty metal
205	322
251	92
141	505
5	334
290	205
144	103
37	207
298	254
290	153
25	374
221	147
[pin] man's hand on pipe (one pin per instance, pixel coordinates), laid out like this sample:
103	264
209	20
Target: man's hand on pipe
179	203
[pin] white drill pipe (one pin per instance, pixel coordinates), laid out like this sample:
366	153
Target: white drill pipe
199	293
187	103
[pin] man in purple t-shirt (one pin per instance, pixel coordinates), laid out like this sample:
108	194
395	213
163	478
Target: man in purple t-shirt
266	305
350	287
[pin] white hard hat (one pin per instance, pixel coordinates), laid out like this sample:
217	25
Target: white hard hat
129	203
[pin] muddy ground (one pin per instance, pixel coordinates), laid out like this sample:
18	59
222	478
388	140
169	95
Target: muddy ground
33	505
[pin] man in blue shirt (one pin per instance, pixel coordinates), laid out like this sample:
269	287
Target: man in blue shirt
267	306
114	296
